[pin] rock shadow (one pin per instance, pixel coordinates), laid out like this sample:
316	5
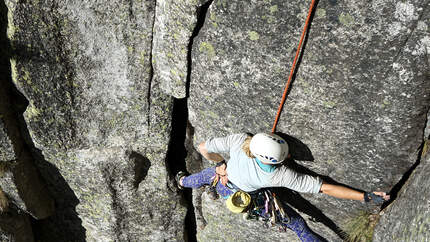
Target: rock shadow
297	149
16	225
175	162
300	151
64	224
201	17
141	168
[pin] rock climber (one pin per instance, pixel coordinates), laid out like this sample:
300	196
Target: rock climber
256	162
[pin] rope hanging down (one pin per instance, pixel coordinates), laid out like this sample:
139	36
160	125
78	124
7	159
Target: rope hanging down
284	96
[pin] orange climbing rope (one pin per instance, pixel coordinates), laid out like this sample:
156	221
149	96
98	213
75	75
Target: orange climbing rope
284	96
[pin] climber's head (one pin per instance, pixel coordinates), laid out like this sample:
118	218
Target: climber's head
268	148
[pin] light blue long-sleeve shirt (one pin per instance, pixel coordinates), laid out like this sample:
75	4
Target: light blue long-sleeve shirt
246	174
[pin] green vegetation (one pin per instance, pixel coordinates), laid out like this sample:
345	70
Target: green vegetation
385	102
26	77
361	227
425	148
32	111
14	71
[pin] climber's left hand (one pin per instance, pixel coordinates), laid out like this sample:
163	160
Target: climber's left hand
221	174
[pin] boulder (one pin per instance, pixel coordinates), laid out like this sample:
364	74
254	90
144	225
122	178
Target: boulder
359	99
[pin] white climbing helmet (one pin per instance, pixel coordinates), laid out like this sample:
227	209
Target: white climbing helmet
269	148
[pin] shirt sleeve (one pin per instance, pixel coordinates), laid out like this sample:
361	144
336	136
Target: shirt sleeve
293	180
225	144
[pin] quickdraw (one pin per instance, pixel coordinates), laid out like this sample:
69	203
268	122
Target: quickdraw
267	208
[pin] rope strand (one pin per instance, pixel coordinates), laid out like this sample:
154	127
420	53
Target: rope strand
284	95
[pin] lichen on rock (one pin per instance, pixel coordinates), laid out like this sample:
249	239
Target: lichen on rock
359	99
100	80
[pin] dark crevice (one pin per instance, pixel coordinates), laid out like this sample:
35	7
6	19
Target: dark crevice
35	196
151	68
398	187
176	151
40	184
64	224
175	160
201	17
16	225
176	154
194	164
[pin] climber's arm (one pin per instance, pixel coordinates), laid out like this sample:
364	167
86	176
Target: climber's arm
343	192
213	147
340	191
209	156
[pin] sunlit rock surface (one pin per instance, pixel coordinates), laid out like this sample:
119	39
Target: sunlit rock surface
97	119
408	218
100	79
359	100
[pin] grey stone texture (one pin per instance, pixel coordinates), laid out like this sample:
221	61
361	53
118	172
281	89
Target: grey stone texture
427	129
408	217
359	100
173	27
19	177
234	227
100	78
98	121
6	148
86	72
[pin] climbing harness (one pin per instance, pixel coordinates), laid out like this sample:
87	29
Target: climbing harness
293	67
267	208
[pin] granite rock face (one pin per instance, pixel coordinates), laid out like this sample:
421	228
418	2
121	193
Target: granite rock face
174	24
414	225
6	151
98	122
20	177
99	133
359	100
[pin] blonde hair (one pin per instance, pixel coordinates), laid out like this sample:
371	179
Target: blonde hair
245	147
